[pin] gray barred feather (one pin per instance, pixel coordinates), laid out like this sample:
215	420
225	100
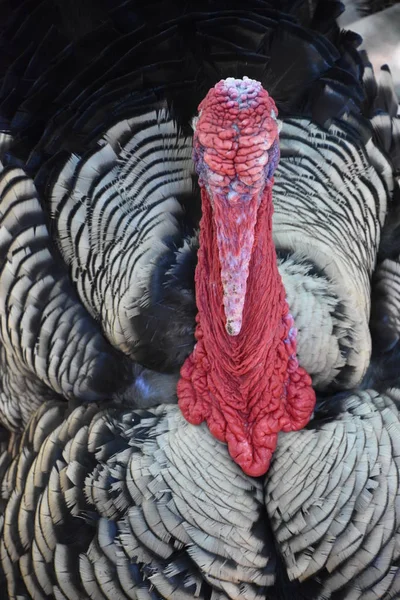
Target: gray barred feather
387	292
330	205
112	211
385	120
126	504
333	499
50	345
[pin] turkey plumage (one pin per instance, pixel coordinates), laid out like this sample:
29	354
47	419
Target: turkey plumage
105	503
100	209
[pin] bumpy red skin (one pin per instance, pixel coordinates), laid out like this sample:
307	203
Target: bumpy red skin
247	386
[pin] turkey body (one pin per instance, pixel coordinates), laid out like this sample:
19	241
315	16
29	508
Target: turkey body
99	218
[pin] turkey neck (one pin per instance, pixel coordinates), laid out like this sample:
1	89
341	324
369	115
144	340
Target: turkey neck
238	355
235	382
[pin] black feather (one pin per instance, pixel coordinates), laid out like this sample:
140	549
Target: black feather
189	48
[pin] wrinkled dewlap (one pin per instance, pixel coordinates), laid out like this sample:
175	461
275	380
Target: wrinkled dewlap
247	386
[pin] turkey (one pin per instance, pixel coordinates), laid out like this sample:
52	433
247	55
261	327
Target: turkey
133	275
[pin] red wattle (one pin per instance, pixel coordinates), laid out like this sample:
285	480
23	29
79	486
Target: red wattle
248	387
